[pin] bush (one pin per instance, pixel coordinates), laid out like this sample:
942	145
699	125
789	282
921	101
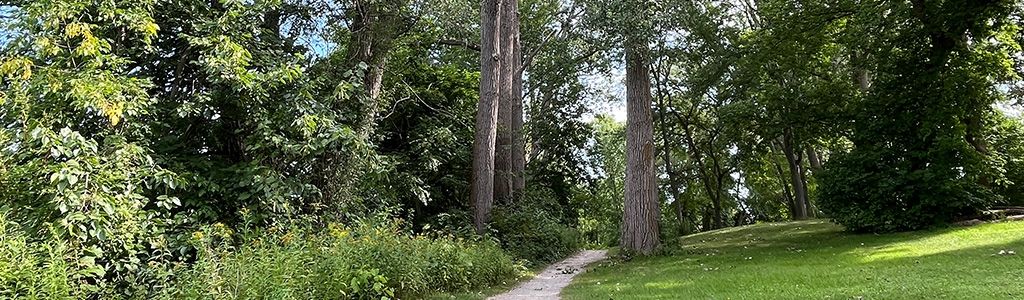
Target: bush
530	232
100	200
868	191
367	261
32	270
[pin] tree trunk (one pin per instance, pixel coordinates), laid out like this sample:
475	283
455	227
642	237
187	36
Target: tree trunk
794	158
705	221
678	202
716	202
861	75
518	138
510	160
789	201
808	206
374	27
864	79
714	193
482	186
814	160
640	214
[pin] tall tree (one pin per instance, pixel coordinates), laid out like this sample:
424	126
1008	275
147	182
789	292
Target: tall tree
482	185
373	25
516	101
937	68
509	159
640	214
661	73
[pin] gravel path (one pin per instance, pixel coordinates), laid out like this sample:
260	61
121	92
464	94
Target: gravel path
550	282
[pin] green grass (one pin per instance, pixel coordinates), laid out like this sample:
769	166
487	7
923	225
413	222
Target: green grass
817	260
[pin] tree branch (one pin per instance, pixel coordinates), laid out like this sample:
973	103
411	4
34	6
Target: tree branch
457	43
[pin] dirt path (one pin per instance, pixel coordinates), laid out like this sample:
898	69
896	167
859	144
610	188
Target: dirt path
550	282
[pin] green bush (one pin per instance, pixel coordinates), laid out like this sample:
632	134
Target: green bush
367	261
99	199
870	191
530	232
32	270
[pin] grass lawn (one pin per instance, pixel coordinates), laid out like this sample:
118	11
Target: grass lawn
817	260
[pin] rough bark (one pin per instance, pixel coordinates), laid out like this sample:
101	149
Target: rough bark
509	161
794	158
640	214
518	135
482	185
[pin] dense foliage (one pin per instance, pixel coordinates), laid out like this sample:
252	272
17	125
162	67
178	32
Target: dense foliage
130	125
534	230
168	148
365	261
291	262
929	160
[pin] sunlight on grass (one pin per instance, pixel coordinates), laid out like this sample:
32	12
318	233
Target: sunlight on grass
664	285
976	237
817	260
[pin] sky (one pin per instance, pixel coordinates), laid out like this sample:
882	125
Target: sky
611	87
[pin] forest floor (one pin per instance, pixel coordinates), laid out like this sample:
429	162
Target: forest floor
818	260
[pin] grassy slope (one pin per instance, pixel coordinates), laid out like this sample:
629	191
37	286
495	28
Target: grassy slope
816	260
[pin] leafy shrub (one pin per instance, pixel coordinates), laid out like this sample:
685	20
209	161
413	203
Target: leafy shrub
32	270
99	200
371	260
869	191
531	232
